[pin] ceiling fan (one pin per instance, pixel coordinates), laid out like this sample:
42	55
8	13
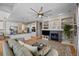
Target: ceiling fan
40	13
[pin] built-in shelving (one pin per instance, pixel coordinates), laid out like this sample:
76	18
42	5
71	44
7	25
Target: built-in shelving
67	20
58	23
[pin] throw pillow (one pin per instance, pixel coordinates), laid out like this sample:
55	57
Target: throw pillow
44	51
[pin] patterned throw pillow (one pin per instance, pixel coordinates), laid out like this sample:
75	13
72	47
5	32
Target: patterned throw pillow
43	51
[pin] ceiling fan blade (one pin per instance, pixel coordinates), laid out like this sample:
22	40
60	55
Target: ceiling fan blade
49	14
47	11
33	10
41	9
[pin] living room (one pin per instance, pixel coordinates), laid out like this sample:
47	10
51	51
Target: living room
46	29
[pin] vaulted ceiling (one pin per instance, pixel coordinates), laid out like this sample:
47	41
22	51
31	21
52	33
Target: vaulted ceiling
21	11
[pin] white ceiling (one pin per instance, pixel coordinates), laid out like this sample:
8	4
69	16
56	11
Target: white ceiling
22	11
7	7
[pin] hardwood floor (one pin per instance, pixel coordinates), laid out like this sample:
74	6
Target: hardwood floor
73	51
1	50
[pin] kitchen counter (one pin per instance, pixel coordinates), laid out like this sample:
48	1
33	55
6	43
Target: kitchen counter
26	35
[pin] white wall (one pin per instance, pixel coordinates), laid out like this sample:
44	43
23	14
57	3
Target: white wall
1	25
78	29
3	17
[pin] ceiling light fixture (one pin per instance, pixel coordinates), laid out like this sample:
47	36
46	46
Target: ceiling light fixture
40	13
40	16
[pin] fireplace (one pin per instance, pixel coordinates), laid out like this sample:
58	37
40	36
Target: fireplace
54	36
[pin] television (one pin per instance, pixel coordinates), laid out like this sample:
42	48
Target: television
45	32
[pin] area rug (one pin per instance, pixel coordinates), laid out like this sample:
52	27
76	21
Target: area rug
63	49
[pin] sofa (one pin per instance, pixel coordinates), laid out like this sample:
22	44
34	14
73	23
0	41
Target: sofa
12	47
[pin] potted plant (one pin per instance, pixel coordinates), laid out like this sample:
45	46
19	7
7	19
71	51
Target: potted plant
67	30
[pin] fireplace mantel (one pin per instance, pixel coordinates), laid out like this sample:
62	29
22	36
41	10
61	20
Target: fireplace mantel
53	29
